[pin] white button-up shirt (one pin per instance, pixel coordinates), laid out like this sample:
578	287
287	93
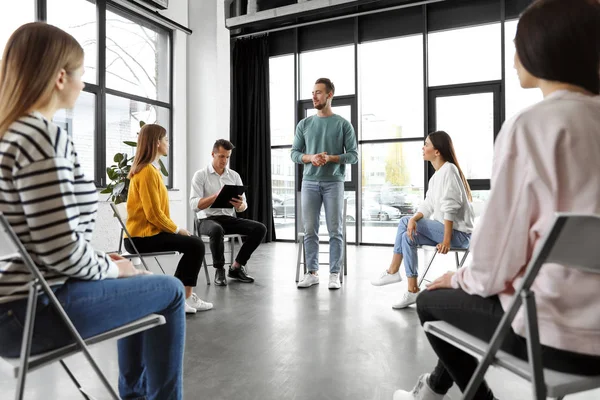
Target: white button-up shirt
207	182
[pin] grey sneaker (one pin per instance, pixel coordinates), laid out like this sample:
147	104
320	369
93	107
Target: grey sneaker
309	280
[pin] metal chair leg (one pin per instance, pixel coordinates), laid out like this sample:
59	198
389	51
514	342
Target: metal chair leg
75	381
427	269
299	259
27	339
206	270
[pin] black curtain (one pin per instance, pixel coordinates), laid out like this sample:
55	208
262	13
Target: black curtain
250	127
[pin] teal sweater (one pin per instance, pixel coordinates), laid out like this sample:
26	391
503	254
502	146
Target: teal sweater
333	135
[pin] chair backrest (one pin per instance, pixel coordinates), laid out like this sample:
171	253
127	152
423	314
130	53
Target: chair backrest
120	211
572	242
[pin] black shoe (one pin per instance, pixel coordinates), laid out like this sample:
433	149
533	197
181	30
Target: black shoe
220	279
240	275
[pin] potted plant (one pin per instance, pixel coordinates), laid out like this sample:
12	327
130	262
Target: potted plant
118	187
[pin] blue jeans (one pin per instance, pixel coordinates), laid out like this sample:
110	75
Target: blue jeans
150	362
429	233
331	196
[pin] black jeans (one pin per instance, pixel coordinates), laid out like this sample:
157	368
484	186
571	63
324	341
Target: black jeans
191	247
480	317
218	226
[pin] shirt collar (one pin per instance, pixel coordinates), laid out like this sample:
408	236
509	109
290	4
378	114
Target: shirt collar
211	170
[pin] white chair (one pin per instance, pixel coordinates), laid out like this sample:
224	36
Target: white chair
456	250
301	259
570	242
11	248
120	213
231	240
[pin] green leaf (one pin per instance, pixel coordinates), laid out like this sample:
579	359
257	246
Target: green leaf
108	190
118	188
123	163
118	157
162	168
142	123
112	174
129	143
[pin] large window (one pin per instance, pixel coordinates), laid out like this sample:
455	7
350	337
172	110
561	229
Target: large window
399	75
127	76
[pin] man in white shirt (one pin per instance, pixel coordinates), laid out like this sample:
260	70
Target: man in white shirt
217	222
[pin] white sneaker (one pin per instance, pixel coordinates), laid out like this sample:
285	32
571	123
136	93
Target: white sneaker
407	299
421	391
309	280
386	279
334	281
197	304
189	309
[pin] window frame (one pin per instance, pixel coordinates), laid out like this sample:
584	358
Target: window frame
100	89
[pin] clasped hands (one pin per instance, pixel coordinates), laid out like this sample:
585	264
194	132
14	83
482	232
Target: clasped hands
319	159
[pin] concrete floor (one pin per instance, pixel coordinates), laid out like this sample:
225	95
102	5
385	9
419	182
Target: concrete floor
269	340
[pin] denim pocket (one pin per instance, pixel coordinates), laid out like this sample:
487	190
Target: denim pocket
11	333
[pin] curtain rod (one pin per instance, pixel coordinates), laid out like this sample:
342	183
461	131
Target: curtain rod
151	14
356	14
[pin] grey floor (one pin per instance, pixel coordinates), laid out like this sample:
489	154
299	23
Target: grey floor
269	340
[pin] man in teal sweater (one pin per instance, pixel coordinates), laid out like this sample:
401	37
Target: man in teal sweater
324	143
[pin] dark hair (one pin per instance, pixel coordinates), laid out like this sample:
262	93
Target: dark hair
224	143
329	87
442	142
559	41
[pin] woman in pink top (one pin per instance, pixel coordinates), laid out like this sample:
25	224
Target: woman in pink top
546	160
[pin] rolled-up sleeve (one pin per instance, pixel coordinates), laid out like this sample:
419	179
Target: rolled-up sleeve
197	190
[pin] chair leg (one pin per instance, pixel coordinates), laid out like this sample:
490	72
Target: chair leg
206	270
427	269
299	259
75	381
27	338
160	266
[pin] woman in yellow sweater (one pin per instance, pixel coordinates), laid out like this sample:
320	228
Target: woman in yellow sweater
148	221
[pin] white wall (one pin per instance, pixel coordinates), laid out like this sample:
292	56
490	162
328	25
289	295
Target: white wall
208	83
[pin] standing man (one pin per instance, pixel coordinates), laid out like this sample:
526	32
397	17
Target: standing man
215	223
324	143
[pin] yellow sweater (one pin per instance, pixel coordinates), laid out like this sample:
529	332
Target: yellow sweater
148	204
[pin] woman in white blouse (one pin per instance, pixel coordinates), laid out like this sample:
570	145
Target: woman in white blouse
444	219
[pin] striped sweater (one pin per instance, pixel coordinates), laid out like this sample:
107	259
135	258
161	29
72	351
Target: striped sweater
50	205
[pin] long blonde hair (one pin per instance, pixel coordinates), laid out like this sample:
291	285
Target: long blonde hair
147	147
34	55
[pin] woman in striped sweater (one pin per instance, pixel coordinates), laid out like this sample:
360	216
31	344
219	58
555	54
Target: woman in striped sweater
52	207
149	222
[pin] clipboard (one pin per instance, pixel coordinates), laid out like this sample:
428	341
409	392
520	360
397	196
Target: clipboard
227	193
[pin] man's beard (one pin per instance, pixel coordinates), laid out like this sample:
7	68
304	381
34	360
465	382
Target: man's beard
320	106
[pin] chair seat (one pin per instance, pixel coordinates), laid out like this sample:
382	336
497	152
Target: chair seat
558	384
12	365
433	248
226	238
